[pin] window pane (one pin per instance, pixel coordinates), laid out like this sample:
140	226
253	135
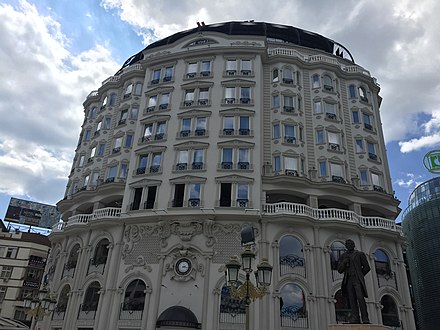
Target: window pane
322	168
288	101
165	98
371	148
352	91
366	119
317	107
161	127
277	162
204	94
118	142
276	131
231	65
245	92
148	130
192	68
123	170
153	100
330	108
112	171
143	161
356	117
364	177
320	136
336	169
194	191
276	101
315	81
228	122
198	155
333	137
189	96
375	179
227	154
183	156
242	191
359	145
206	66
157	159
243	155
289	130
244	122
186	124
246	65
290	163
201	123
230	92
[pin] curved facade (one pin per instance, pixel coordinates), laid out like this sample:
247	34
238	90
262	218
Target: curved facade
422	228
205	132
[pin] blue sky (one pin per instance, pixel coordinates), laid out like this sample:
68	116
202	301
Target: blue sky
54	52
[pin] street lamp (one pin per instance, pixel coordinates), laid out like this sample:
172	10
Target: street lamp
40	305
248	291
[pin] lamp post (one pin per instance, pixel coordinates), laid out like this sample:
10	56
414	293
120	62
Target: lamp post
40	305
248	291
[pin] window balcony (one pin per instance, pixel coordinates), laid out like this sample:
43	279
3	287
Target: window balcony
181	166
244	131
126	96
146	138
334	147
110	180
197	166
151	109
87	311
378	188
288	109
131	311
191	74
116	150
242	202
194	202
328	88
290	172
188	103
330	116
140	170
200	132
368	126
205	73
289	139
230	100
372	156
245	100
154	168
167	78
203	102
338	179
243	165
288	81
231	72
159	136
185	133
154	81
163	106
148	205
246	72
228	131
226	165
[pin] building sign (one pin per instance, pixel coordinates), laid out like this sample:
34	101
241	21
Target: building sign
32	213
432	161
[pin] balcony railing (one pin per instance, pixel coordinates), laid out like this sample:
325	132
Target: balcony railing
108	212
331	215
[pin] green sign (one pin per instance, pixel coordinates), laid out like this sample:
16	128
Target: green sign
432	161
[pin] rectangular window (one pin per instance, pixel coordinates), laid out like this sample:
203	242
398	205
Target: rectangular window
276	131
317	107
368	122
3	290
333	138
6	272
201	123
101	149
88	135
352	91
336	170
81	160
322	168
123	170
363	175
118	144
134	113
138	89
179	192
245	94
355	117
203	94
242	194
94	179
315	81
194	192
168	75
359	145
128	141
330	108
227	155
225	194
277	163
243	155
151	197
191	70
186	124
164	100
198	156
148	132
319	136
92	152
376	179
371	148
155	76
289	131
112	172
157	160
276	101
291	163
123	117
182	157
205	68
288	101
152	101
11	252
86	181
137	198
107	122
143	162
246	67
231	67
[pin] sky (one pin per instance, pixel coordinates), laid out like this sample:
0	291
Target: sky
53	53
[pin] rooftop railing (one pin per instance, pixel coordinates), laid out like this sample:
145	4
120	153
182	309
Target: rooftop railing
331	214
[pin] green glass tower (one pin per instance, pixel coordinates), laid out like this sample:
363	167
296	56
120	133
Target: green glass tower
421	225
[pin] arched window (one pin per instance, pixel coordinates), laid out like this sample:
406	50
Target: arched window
390	315
316	81
92	113
328	82
134	301
275	75
73	257
112	100
291	256
101	252
336	250
342	309
91	299
362	94
63	299
128	91
382	263
293	310
104	102
232	310
352	91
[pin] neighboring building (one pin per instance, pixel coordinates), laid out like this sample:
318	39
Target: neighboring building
201	133
22	261
421	225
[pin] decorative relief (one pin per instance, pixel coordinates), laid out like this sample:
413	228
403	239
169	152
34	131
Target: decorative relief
158	54
192	266
140	262
246	43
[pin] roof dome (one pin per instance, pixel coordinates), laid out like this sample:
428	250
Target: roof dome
178	316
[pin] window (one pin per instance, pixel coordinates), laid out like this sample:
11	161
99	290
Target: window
92	153
151	197
20	314
382	263
227	158
371	147
328	83
73	257
144	161
203	96
291	256
194	195
155	77
107	122
137	198
134	299
98	127
198	157
11	252
123	117
225	194
359	145
154	131
92	113
244	125
201	126
86	181
352	91
293	311
179	191
6	272
336	170
368	121
231	67
333	141
94	178
275	75
336	250
228	125
134	113
101	149
123	170
276	131
128	91
289	134
205	69
246	67
112	170
112	100
355	116
157	160
242	194
276	101
118	144
182	160
187	195
277	163
63	300
322	168
128	140
101	252
91	299
362	94
88	135
376	179
168	75
164	101
287	76
316	81
243	159
288	104
317	107
363	176
291	166
138	89
390	313
152	101
320	136
330	110
3	290
230	95
191	70
81	161
245	95
142	164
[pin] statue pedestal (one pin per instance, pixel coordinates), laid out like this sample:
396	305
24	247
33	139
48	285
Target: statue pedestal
358	327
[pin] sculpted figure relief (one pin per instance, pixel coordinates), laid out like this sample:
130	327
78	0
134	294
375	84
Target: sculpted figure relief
354	265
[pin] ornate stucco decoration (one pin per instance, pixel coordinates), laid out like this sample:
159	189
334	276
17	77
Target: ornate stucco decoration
172	266
140	262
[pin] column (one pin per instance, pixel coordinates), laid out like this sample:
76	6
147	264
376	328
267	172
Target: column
206	293
152	317
145	317
216	310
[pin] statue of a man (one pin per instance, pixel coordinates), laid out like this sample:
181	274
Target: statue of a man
354	265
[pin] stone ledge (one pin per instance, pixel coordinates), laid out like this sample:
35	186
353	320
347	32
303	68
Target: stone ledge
358	327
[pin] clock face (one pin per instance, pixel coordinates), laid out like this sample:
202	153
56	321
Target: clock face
183	266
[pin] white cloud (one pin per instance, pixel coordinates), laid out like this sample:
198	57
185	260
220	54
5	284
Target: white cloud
410	180
41	94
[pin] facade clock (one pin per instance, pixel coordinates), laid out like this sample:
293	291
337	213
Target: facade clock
183	266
